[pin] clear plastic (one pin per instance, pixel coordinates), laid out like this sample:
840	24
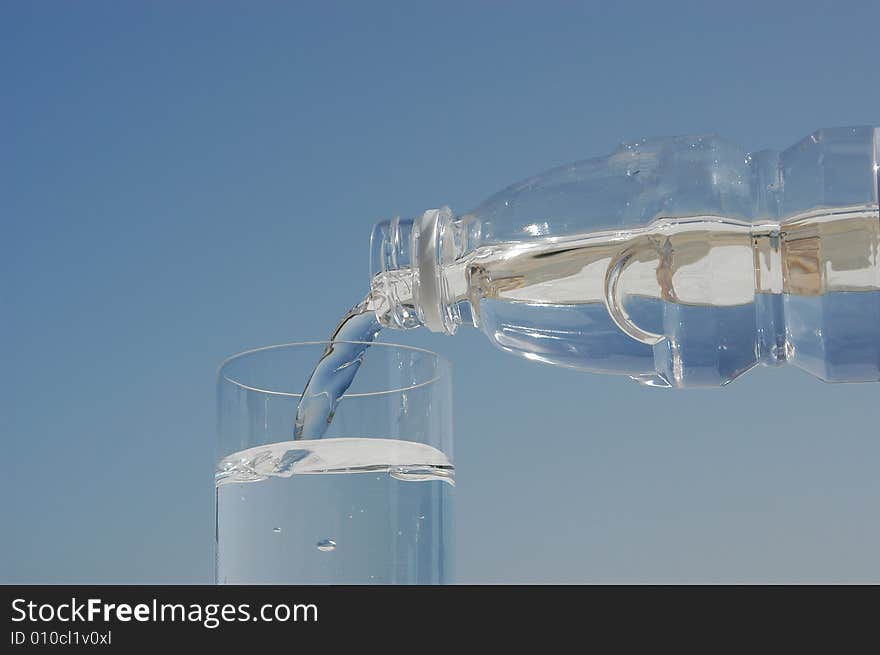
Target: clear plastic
370	502
680	261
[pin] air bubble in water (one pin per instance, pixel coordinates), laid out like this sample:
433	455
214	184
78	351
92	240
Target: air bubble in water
326	545
276	530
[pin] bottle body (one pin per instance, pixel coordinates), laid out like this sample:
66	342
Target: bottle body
679	262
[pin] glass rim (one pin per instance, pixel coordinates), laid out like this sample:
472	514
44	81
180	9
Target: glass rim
223	377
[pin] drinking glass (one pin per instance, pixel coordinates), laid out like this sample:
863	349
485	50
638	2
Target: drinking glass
370	502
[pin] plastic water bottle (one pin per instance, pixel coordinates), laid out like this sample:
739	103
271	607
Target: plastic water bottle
678	261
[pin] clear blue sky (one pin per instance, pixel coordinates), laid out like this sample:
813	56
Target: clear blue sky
181	181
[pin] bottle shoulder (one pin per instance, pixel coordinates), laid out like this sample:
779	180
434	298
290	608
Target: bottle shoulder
650	179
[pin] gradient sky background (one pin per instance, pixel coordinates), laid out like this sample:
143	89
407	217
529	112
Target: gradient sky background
181	181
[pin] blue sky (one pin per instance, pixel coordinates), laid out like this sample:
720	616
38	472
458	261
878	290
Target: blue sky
181	181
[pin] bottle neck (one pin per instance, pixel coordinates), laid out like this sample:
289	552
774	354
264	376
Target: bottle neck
409	260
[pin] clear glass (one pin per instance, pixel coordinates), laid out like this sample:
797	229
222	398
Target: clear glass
368	503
